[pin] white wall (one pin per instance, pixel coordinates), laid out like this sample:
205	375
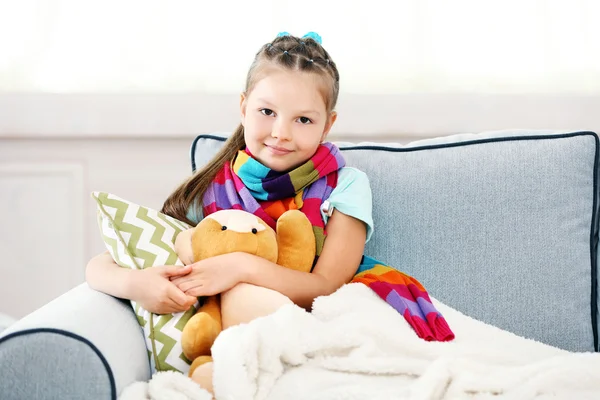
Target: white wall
56	149
48	219
361	116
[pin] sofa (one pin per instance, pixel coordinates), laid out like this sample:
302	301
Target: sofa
502	226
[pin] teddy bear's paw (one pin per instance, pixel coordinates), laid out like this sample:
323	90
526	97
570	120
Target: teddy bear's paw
199	335
198	362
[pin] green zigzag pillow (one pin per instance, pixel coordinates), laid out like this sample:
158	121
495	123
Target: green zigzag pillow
139	237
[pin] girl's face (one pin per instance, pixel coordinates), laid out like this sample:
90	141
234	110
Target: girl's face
285	119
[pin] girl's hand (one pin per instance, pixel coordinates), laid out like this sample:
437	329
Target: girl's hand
153	290
212	276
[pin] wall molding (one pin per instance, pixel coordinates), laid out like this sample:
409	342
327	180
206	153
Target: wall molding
385	116
46	239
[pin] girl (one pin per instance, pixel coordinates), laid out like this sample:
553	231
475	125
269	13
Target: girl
277	159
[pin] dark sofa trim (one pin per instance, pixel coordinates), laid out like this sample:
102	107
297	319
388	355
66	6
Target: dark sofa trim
594	222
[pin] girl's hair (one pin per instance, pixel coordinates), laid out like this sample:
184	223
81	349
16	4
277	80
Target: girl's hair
288	52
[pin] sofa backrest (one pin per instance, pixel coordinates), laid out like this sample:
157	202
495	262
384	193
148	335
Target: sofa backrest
502	226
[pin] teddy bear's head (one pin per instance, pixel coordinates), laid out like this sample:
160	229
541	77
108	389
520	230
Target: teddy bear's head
292	246
228	231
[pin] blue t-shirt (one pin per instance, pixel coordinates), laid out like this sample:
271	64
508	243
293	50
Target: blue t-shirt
352	196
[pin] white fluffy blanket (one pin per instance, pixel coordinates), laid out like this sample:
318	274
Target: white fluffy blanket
355	346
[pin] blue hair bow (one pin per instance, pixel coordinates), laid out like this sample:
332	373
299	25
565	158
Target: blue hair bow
312	35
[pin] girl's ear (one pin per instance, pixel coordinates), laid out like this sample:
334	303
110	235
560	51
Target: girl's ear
243	108
330	120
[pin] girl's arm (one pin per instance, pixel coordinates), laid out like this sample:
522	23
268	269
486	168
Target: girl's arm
104	275
150	287
337	264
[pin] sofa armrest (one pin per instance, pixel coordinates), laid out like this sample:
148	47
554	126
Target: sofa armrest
83	344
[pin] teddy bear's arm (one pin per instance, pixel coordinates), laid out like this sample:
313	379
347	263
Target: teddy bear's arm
296	241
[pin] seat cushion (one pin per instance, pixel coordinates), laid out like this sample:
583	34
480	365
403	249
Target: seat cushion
502	226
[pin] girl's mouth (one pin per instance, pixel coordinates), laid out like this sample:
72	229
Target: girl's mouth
279	151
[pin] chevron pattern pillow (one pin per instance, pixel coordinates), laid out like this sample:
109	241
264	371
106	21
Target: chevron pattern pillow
139	237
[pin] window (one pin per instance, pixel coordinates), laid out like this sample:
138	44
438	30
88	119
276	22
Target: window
380	46
391	54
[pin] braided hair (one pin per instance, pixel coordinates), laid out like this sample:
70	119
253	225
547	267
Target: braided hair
297	54
289	52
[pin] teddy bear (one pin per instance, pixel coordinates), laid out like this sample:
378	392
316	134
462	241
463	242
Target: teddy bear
291	245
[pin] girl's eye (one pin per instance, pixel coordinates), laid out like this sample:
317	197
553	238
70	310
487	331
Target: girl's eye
267	112
304	120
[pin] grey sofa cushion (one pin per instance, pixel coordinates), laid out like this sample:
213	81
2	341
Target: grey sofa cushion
502	226
70	366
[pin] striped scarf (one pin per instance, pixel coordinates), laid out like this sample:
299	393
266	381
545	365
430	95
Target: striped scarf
407	296
246	184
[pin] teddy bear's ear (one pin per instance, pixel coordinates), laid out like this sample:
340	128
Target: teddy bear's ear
205	237
183	247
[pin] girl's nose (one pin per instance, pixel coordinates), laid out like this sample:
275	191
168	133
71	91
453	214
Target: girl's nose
281	131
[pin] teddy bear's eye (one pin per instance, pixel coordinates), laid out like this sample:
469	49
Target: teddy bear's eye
223	228
254	230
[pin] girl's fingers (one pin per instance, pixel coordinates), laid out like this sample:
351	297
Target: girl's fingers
178	297
170	271
198	291
190	284
192	287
